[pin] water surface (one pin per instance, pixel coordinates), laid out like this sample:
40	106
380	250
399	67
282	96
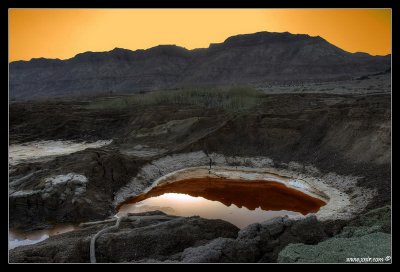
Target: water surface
236	201
21	238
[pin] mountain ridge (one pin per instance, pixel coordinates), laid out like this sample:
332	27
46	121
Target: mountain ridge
249	59
194	49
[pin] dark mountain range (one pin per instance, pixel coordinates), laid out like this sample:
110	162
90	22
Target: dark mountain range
260	58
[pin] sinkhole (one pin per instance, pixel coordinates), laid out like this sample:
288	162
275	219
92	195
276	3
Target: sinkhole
236	200
241	197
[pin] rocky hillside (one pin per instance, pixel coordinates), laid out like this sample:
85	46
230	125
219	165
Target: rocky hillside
260	58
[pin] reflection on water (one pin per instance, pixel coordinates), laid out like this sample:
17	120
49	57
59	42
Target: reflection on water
19	238
186	205
235	201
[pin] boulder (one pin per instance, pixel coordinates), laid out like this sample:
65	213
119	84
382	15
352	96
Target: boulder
366	236
338	250
259	242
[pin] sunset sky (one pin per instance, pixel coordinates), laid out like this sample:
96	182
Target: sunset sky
63	33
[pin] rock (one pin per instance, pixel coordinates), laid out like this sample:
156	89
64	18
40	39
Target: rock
363	237
309	230
142	237
257	242
351	231
218	250
337	250
93	186
248	250
274	226
161	240
224	250
250	232
377	220
380	216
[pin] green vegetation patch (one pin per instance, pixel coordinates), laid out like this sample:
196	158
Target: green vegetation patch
229	99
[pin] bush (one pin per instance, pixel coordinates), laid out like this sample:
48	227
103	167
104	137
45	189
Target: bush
230	99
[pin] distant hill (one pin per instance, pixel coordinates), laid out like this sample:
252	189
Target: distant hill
259	58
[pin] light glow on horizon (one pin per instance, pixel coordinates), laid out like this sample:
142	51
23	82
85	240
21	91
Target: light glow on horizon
63	33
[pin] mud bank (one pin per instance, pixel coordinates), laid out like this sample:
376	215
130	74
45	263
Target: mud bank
42	150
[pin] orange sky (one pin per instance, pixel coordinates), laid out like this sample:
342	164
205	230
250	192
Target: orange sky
62	33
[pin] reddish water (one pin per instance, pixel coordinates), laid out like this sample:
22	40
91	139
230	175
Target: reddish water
236	201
